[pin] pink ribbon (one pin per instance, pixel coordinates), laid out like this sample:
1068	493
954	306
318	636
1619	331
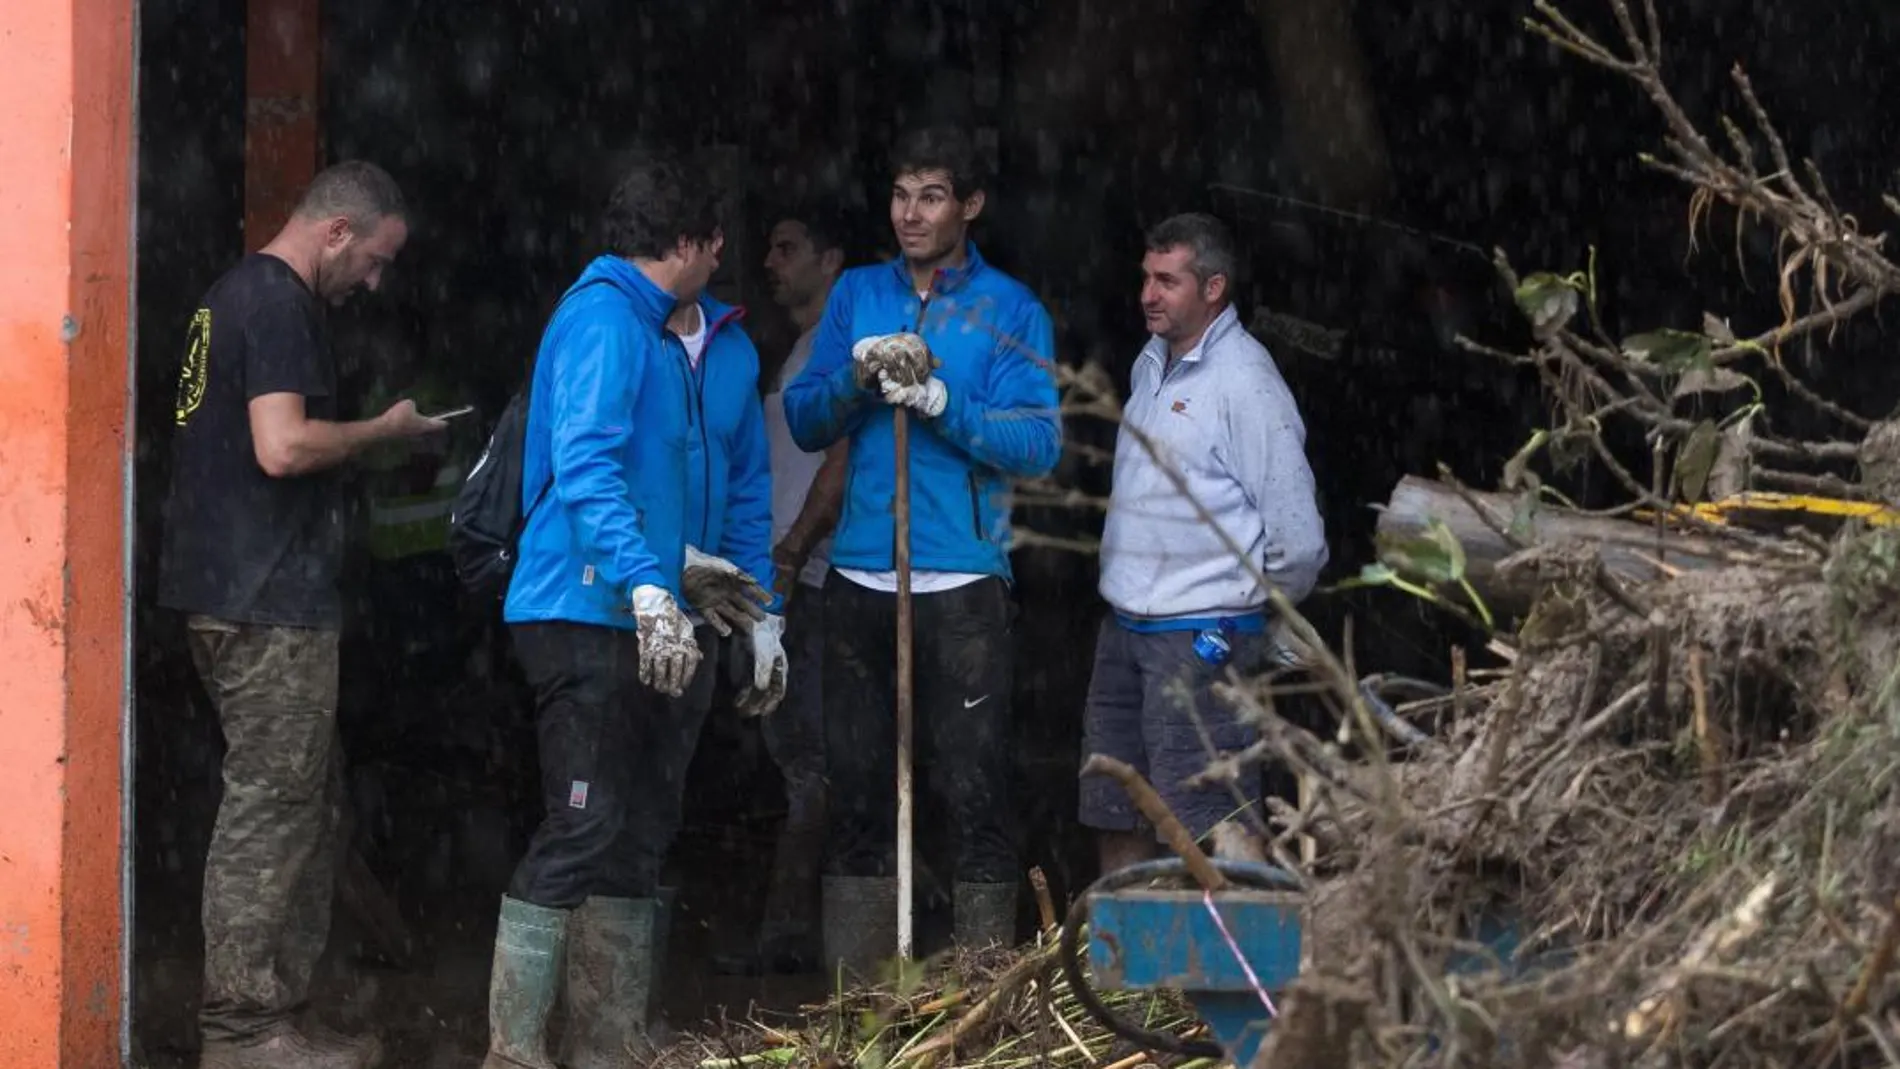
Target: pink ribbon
1265	999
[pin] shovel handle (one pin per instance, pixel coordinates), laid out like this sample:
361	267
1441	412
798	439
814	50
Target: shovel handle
906	887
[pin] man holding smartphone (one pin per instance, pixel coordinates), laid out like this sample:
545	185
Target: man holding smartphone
252	549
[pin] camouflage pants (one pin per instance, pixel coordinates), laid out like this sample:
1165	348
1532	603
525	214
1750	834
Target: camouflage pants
269	876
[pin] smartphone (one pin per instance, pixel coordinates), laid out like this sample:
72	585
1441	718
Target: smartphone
451	413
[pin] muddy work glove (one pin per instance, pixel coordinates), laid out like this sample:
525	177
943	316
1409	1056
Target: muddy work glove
928	397
669	654
900	358
767	687
722	592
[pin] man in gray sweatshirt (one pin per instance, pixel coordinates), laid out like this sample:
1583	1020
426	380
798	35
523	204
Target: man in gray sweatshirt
1207	406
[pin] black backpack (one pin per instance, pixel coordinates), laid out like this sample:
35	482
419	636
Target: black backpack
487	520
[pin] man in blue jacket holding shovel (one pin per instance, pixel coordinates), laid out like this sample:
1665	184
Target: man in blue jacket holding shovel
968	352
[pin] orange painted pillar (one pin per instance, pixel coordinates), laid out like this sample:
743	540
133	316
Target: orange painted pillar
67	166
283	71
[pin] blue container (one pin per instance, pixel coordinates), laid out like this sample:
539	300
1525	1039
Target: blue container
1166	940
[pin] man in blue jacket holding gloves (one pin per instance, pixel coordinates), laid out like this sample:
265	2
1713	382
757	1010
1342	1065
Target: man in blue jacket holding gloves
594	611
728	574
968	351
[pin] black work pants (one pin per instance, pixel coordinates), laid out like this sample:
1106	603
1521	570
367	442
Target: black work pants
961	682
603	736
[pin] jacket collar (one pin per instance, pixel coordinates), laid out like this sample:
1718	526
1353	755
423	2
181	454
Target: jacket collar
717	315
651	304
1218	329
947	279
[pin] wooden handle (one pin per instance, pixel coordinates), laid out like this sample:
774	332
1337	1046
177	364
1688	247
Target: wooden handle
905	712
1172	831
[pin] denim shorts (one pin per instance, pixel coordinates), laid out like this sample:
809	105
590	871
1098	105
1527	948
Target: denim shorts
1150	701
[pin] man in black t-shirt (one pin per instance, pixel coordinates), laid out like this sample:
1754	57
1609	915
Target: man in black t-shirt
251	552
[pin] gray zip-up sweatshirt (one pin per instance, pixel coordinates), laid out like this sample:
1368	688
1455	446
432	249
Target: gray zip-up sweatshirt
1225	420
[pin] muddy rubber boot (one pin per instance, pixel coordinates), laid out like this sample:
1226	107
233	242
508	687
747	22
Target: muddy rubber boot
366	1048
788	941
664	897
659	1029
610	984
860	924
286	1049
985	915
523	984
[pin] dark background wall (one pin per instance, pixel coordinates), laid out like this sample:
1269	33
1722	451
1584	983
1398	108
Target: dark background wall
502	118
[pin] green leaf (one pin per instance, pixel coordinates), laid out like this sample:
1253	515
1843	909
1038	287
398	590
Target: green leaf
1454	549
1548	301
1524	515
1674	351
1371	575
1377	573
1718	329
1484	611
1434	556
1517	472
1710	380
1695	460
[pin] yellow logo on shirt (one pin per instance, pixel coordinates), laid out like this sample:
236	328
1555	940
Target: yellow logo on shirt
197	367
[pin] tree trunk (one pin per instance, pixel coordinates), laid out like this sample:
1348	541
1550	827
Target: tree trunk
1628	549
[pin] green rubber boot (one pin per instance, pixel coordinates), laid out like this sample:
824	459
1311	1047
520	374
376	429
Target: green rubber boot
610	968
860	924
522	984
659	1029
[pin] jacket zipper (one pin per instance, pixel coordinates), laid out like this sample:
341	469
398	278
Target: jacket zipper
976	510
705	445
698	414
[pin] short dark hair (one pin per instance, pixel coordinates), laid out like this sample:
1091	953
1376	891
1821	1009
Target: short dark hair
358	190
825	226
1206	238
942	148
658	200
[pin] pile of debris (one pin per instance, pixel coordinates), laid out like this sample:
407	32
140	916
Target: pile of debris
1656	819
999	1009
1678	787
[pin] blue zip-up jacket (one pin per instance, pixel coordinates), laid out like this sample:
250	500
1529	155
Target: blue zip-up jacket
610	417
729	477
996	348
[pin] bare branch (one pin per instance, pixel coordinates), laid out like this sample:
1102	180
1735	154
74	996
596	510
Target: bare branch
1776	149
1815	484
1826	319
1046	493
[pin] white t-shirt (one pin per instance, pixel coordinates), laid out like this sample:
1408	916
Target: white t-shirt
696	341
793	469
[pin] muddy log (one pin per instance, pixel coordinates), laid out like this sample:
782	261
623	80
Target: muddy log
1630	550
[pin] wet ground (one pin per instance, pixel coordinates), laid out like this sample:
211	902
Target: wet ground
454	841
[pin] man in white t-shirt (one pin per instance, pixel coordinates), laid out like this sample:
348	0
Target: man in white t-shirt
804	258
